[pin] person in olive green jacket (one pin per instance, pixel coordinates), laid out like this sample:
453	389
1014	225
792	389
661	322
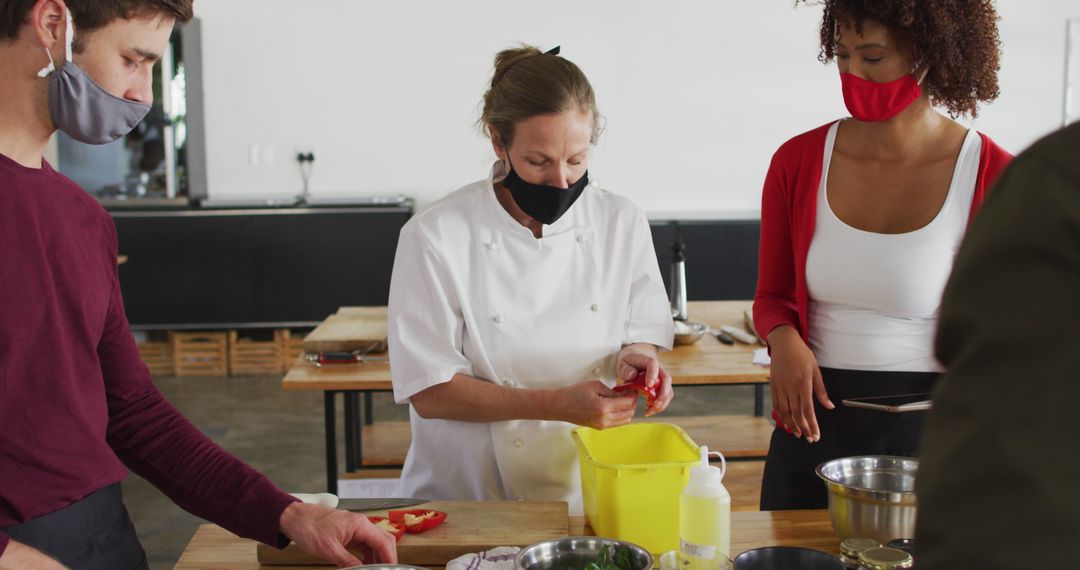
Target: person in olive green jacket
999	479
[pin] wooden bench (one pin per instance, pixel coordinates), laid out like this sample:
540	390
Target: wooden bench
737	437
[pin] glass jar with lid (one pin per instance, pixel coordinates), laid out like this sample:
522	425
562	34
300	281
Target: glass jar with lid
885	558
851	548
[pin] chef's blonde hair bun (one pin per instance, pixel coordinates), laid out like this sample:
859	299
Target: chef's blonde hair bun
527	83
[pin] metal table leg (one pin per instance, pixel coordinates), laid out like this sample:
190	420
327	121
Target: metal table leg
350	433
759	400
357	430
331	441
369	409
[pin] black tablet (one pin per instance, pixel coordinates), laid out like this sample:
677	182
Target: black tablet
895	404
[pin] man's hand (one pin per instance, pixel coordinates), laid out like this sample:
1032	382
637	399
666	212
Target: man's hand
641	360
592	404
18	556
329	533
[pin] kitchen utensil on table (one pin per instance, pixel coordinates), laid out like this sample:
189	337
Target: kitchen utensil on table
577	552
885	558
364	505
786	557
689	333
851	548
722	336
905	544
739	334
871	496
678	277
320	359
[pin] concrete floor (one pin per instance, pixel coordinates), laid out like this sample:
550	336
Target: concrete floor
281	434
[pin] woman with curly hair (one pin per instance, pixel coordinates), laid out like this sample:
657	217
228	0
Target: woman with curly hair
860	221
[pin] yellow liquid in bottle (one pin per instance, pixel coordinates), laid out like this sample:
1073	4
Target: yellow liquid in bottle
704	533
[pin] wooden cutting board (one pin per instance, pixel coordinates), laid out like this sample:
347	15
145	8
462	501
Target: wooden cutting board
471	526
351	328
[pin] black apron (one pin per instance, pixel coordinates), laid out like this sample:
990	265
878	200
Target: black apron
790	481
92	534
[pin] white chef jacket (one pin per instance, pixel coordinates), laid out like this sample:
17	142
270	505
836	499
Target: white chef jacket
474	292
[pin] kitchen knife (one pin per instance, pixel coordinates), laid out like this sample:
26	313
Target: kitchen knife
359	505
722	336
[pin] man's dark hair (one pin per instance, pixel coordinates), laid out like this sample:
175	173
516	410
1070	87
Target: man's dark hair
90	15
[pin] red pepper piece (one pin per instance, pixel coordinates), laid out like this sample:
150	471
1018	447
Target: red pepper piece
639	385
418	520
394	528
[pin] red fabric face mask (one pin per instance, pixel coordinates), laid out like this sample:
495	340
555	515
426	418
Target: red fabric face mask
872	102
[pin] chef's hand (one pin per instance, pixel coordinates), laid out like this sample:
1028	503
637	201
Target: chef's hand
18	556
329	533
641	358
795	380
593	404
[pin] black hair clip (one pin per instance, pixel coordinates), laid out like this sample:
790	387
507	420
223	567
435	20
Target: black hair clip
553	51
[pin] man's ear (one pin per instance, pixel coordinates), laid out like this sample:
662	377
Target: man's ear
48	23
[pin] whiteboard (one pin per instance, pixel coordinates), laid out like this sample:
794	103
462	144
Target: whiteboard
697	94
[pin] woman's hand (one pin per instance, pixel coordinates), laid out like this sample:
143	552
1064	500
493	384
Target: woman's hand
641	359
795	380
593	404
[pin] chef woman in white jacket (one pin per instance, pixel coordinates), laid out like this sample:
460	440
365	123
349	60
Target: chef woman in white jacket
518	301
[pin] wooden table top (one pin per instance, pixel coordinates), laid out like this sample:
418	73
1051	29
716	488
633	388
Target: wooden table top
706	362
214	548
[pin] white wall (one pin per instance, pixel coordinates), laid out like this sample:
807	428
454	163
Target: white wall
697	93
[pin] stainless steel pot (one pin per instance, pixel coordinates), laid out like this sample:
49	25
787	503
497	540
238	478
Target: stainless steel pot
871	496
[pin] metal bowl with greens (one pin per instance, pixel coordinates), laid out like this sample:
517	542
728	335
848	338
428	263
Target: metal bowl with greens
584	553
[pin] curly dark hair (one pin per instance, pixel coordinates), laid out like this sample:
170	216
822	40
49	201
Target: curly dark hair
957	39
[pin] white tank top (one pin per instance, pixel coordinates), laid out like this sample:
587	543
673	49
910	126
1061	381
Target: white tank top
874	298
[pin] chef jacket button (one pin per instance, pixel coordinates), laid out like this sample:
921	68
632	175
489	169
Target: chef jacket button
596	371
518	443
594	308
498	319
580	239
490	246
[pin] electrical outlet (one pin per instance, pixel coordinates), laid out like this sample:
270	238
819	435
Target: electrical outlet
306	153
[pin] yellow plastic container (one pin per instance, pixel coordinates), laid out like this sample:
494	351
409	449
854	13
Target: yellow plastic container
631	480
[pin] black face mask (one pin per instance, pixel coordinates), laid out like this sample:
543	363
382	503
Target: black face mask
544	203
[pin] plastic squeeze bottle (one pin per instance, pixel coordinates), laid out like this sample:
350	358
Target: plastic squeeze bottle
705	517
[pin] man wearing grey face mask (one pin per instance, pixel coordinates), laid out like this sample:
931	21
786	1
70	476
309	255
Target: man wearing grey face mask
77	405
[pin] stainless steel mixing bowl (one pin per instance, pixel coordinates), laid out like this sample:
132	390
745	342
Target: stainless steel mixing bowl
577	552
871	496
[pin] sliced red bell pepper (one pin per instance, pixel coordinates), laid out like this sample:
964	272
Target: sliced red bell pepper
394	528
418	520
639	385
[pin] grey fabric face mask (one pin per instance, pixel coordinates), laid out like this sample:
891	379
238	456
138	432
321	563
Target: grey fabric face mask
84	110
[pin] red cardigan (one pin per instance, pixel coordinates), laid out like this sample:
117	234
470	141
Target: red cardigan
788	211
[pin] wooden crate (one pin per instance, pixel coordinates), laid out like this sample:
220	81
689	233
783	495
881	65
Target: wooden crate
158	356
203	354
292	345
254	357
